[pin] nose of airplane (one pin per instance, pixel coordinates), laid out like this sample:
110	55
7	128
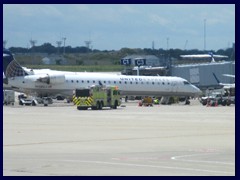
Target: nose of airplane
197	91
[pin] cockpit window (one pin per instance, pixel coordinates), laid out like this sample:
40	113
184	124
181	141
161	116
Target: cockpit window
185	82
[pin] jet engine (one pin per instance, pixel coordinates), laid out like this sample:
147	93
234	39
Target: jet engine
52	79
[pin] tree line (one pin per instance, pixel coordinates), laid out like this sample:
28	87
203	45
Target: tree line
173	53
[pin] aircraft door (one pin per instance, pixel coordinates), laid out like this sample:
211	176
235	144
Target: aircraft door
174	86
109	96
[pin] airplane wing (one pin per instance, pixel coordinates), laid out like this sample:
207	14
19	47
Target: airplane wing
202	56
228	86
229	75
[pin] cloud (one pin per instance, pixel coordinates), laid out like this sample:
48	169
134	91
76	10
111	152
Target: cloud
32	10
80	7
129	9
154	18
118	24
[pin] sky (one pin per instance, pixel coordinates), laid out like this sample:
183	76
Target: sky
116	26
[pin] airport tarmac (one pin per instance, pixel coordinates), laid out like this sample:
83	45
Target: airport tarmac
164	140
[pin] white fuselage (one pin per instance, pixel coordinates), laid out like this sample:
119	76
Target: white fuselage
128	85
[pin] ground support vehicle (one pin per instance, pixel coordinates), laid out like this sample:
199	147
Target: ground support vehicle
146	101
33	101
8	97
217	99
96	97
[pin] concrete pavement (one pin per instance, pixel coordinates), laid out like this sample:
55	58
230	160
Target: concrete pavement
162	140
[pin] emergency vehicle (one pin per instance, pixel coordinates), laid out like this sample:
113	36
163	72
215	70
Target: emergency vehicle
96	97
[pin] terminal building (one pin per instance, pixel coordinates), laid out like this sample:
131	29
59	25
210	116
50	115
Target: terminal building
200	74
151	60
153	65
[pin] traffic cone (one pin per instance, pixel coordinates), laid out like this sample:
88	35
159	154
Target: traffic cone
140	103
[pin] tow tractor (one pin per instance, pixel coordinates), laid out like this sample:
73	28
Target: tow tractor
96	97
146	101
33	101
8	97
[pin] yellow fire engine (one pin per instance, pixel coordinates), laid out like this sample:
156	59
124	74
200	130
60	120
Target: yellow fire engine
97	97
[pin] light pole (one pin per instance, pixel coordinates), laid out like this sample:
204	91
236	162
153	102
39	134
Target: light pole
59	45
33	43
64	39
4	43
205	34
88	43
167	43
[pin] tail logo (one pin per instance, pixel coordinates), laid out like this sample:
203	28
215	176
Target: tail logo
11	68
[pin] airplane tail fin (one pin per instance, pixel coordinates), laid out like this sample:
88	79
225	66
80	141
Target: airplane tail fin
11	68
216	78
211	54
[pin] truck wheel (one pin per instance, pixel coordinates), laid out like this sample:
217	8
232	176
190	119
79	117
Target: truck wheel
94	107
20	103
81	108
99	105
204	102
34	103
115	105
187	102
224	103
228	103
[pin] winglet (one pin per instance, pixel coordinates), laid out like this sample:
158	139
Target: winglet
211	54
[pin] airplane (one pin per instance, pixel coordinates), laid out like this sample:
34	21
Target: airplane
50	83
210	55
203	56
225	85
